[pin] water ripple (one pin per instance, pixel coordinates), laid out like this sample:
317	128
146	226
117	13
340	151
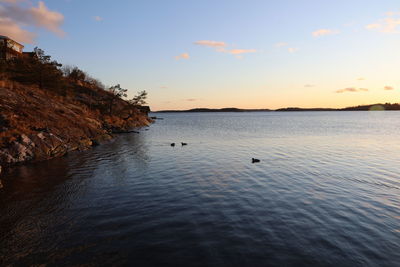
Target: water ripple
326	192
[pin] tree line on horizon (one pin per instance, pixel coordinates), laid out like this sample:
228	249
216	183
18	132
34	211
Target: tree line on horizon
39	70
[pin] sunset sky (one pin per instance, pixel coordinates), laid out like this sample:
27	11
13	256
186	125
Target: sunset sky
245	54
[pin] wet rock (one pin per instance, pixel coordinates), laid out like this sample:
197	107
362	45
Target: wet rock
48	146
85	143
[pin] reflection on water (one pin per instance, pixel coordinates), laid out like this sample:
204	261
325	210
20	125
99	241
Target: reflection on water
326	192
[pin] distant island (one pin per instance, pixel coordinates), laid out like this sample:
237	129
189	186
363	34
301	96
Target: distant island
215	110
372	107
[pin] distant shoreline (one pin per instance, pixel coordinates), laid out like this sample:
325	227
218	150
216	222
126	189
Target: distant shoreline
373	107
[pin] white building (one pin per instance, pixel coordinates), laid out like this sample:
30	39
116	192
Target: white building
9	48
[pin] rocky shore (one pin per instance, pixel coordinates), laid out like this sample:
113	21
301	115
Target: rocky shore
37	124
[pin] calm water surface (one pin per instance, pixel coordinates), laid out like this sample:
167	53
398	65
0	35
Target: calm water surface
326	192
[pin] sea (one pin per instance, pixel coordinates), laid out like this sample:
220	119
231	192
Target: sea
325	192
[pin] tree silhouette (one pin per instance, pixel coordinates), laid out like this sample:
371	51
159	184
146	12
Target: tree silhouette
116	92
37	69
139	99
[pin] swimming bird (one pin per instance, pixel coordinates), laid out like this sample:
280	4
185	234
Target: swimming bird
172	144
184	144
253	160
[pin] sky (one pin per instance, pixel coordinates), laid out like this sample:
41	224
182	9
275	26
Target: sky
225	53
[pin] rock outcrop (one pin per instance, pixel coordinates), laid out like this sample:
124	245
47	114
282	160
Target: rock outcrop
37	124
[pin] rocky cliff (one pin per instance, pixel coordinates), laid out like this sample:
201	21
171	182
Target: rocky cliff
39	124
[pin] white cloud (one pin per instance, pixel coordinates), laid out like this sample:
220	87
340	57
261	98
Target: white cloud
309	85
360	79
293	49
322	32
15	17
182	56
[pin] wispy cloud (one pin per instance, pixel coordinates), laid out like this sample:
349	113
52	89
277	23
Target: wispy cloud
11	1
388	87
352	90
390	24
50	20
222	48
210	43
360	79
392	13
182	56
309	85
240	51
163	87
14	17
289	49
11	29
191	99
98	18
281	44
373	26
322	32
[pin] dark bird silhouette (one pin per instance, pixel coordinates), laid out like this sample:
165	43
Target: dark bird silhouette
172	144
184	144
253	160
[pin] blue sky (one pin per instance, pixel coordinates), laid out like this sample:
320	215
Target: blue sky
248	54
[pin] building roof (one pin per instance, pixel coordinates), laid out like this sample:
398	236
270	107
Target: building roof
4	37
